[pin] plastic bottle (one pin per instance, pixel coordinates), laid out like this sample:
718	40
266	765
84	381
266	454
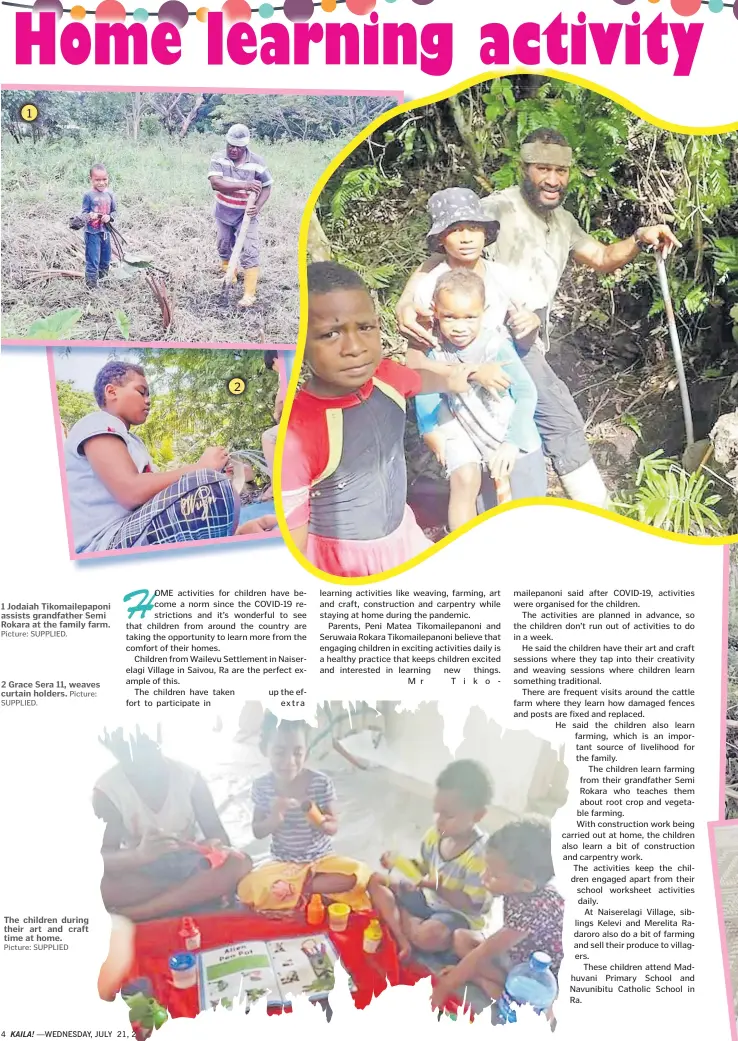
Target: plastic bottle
372	937
529	983
189	934
405	866
315	912
183	968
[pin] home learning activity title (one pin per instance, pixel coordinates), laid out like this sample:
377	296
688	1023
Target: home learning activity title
42	38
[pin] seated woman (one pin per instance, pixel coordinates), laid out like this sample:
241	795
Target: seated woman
117	499
297	807
165	848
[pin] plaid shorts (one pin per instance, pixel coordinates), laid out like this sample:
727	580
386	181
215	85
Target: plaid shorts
200	505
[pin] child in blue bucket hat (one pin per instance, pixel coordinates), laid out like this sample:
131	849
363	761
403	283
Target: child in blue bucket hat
472	304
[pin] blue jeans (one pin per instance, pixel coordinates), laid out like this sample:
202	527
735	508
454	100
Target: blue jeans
557	416
97	254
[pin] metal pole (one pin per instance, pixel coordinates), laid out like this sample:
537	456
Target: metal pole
676	347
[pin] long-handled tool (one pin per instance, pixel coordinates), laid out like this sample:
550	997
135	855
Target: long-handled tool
230	275
697	452
675	346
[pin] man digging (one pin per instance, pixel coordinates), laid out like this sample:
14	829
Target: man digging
234	177
536	239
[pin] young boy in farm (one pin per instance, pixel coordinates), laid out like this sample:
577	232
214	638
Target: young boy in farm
98	212
450	894
242	184
117	499
344	477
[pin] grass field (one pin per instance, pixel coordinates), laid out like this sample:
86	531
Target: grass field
164	212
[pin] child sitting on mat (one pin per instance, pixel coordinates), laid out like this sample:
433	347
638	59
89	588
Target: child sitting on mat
164	840
450	895
296	807
519	868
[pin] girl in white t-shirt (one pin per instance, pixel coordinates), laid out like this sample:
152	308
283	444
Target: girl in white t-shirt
117	499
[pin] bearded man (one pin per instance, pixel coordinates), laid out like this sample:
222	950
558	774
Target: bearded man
536	239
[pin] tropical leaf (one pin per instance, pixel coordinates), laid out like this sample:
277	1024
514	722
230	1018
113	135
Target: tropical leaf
124	324
56	326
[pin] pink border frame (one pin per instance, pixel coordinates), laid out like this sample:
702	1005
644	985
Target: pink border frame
721	822
712	827
397	95
108	553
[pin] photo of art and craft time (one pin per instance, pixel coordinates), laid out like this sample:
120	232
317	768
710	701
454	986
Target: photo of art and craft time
161	216
242	863
554	282
160	447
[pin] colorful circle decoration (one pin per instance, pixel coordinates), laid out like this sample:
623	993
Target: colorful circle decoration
237	11
140	15
686	8
328	5
422	2
266	11
298	10
78	13
110	11
175	12
361	7
49	5
201	14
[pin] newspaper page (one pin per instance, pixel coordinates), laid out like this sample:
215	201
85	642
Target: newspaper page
368	602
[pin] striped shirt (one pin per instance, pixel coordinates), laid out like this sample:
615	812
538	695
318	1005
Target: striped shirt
296	840
462	873
229	208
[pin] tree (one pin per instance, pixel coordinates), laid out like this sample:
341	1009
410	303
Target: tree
192	406
138	106
298	117
73	404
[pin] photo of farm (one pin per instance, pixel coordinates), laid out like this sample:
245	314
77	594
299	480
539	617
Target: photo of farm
182	174
608	314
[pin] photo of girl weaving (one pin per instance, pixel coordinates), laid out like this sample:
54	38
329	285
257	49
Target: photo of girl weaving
164	448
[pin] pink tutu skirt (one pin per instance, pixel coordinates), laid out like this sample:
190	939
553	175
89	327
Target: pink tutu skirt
353	558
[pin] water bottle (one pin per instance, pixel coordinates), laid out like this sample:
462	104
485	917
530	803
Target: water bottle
529	983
